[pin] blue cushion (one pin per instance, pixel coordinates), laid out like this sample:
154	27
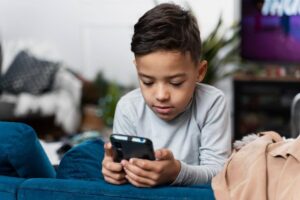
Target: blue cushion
21	152
9	187
58	189
83	161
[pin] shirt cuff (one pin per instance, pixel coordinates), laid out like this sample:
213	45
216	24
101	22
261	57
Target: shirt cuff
180	176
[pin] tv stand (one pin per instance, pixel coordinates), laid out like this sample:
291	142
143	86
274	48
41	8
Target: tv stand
263	103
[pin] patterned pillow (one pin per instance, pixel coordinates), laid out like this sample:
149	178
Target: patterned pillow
28	74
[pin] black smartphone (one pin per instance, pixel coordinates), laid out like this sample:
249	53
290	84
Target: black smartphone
126	147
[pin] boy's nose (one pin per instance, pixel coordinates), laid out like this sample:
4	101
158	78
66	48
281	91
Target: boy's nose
162	94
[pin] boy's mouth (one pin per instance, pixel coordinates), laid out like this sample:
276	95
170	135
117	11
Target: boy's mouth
163	110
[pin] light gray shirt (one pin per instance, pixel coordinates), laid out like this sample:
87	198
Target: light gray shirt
200	137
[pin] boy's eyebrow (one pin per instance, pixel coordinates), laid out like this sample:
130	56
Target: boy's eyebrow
144	75
169	77
177	75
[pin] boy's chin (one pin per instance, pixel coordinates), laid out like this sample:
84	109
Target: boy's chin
166	117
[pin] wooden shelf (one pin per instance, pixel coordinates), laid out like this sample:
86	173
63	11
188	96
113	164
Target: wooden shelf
256	92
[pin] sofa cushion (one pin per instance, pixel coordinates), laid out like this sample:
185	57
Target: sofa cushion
21	152
28	74
58	189
9	187
82	162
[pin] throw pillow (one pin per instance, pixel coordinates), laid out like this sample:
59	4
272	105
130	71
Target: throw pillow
28	74
83	161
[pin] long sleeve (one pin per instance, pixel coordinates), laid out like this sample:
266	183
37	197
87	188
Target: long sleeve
123	122
215	146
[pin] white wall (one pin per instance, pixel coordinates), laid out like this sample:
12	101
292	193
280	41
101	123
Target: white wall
92	35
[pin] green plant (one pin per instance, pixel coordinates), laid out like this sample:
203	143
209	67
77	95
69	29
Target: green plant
220	48
109	94
101	84
108	103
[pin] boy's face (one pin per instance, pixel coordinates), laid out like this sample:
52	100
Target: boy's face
168	80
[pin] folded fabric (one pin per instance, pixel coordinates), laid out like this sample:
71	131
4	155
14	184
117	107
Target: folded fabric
266	168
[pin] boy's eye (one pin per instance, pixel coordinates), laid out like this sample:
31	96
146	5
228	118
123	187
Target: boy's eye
147	83
176	84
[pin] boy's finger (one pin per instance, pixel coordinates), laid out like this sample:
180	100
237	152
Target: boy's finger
113	181
137	180
116	176
164	154
108	149
139	164
140	175
112	166
135	183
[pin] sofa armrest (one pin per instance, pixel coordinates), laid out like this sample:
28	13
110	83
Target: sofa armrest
9	187
91	190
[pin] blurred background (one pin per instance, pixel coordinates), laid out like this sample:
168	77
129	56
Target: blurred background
66	63
89	35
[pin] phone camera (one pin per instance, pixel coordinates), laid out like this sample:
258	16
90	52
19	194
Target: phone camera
142	140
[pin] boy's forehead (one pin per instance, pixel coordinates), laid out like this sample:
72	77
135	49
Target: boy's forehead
164	65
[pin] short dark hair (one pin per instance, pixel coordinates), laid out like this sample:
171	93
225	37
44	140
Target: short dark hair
167	27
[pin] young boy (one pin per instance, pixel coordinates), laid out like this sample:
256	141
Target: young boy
188	122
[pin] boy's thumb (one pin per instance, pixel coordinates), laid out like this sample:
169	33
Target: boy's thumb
108	149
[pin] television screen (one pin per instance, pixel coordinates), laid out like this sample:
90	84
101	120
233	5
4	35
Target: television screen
270	30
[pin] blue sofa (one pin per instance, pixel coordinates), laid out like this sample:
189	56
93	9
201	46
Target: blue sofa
12	188
78	177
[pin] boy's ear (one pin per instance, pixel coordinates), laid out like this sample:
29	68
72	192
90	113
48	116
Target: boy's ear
202	69
134	62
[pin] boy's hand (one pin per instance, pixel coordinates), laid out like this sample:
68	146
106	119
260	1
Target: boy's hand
146	173
112	171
